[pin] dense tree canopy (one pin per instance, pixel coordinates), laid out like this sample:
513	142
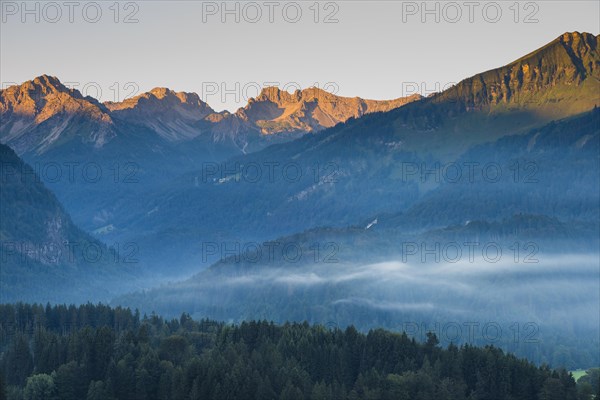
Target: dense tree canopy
97	352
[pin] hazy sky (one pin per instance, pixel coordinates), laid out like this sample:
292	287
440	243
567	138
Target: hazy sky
372	49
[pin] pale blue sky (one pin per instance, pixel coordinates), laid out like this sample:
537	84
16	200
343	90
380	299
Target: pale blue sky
377	49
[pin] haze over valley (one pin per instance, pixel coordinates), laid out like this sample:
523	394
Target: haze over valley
306	245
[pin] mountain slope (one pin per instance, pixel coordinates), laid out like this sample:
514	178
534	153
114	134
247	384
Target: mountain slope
402	270
358	169
45	256
550	171
545	77
170	114
138	144
309	110
43	112
371	278
555	81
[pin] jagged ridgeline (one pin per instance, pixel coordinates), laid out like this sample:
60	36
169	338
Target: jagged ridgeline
145	141
43	114
558	80
44	254
565	70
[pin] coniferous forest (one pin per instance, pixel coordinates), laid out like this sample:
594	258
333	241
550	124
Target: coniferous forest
353	200
95	352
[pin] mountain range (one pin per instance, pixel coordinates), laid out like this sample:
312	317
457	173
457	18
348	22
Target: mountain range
33	109
358	178
352	164
357	170
153	137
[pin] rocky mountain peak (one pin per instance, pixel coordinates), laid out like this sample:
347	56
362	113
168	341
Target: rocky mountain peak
45	92
579	41
173	115
309	110
162	98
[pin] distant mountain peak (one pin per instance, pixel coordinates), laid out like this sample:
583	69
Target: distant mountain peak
49	84
172	115
272	93
184	97
277	95
161	92
162	96
37	88
309	110
37	113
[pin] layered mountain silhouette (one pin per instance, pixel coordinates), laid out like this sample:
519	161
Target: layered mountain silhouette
155	136
351	171
544	204
555	81
198	192
310	110
357	169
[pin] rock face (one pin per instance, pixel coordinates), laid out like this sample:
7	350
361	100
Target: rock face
32	219
45	255
43	112
560	79
172	115
309	110
563	64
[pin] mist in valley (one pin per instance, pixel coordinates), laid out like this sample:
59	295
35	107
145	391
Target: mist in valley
534	306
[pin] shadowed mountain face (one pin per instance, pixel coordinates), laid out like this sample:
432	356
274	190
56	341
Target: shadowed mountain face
408	270
44	255
374	165
30	212
557	163
143	142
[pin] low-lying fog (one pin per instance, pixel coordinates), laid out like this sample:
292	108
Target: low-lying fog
554	301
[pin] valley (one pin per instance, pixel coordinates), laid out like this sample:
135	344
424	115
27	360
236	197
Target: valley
306	245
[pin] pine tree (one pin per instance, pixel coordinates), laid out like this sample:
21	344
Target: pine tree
2	387
19	361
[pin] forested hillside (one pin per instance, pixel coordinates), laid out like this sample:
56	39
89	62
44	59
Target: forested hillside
98	353
44	255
